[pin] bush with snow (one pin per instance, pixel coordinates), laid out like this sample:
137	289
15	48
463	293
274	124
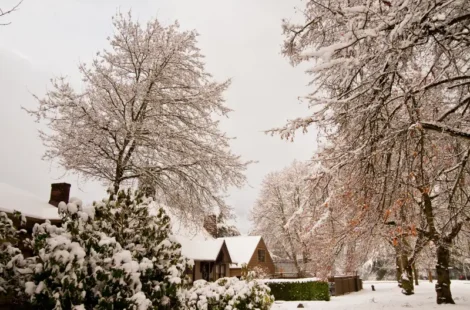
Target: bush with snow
118	254
228	293
257	272
13	266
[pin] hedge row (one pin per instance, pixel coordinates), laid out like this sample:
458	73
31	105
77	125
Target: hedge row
290	291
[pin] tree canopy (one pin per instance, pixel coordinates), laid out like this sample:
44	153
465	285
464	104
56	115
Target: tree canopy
147	111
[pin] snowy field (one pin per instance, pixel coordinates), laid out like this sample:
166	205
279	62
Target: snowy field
388	296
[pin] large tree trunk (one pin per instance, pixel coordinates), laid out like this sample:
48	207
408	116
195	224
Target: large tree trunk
444	295
415	272
430	275
298	268
399	269
406	276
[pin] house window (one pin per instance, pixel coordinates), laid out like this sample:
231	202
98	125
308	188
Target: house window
221	271
261	256
205	271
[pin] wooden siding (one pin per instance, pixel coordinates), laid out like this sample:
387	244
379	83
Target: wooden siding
235	272
225	255
222	259
268	263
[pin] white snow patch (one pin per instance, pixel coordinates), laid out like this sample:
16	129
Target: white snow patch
12	198
387	296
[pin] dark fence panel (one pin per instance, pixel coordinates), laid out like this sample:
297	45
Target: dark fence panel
344	284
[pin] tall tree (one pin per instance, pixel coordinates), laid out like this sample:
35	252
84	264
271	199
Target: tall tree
391	94
285	211
147	111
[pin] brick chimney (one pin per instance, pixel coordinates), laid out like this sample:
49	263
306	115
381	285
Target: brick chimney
59	192
210	224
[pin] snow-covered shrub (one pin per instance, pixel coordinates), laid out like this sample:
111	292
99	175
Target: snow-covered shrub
228	293
117	254
259	272
13	266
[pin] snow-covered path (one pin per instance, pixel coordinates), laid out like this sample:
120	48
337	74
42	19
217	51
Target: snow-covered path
388	296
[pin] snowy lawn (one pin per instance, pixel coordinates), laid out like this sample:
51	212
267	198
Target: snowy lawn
387	296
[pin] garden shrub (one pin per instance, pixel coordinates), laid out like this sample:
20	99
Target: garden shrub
13	265
299	290
117	255
228	293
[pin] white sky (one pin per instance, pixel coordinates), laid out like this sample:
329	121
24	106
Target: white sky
241	39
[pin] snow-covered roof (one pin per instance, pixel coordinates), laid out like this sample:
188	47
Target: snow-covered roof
15	199
206	250
241	248
196	242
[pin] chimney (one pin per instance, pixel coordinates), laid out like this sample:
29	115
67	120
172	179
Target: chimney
59	192
210	224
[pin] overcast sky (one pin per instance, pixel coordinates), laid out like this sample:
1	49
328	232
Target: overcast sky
241	39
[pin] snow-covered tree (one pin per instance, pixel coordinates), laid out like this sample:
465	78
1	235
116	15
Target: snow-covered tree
286	211
224	228
148	110
118	254
391	96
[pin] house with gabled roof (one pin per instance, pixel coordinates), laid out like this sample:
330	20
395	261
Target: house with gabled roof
211	258
250	251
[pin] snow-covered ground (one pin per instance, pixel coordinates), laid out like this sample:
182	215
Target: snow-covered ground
387	296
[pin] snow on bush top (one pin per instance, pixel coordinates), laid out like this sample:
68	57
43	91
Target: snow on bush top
290	280
228	293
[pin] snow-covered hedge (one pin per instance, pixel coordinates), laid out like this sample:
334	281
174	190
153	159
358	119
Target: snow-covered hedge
119	254
299	289
228	293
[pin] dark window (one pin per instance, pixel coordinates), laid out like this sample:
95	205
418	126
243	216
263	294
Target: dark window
205	271
220	270
261	256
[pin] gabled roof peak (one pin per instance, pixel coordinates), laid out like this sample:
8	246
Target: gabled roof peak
241	248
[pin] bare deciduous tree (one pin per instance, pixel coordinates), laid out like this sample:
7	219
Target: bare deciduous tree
287	210
146	112
392	95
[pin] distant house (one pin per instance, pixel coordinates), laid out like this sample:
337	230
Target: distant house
211	257
286	268
250	251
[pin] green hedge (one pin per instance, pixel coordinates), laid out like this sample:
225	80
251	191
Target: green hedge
288	291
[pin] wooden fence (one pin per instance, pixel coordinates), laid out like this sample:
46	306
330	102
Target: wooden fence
344	284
